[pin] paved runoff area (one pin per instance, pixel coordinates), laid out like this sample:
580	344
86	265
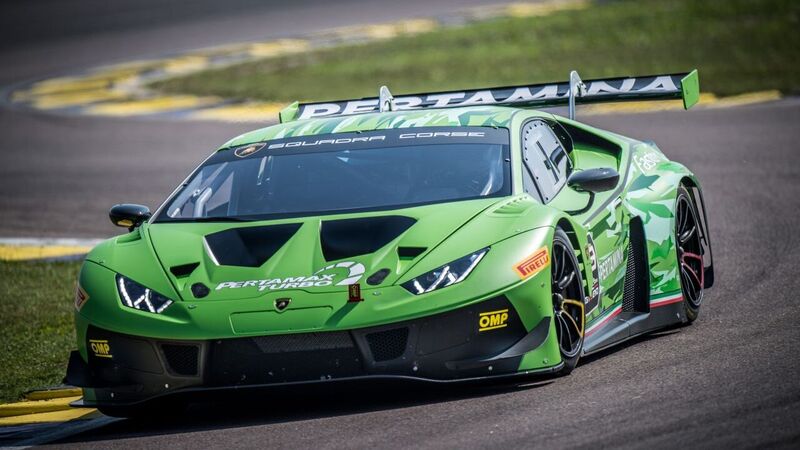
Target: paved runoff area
729	380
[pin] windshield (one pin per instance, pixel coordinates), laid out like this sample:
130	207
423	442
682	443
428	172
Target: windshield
345	172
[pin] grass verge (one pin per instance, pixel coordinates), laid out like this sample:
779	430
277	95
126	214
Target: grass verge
738	46
36	324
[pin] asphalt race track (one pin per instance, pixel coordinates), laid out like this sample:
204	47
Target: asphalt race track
729	380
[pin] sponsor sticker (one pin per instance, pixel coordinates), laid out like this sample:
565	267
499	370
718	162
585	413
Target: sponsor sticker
647	160
354	293
611	263
81	297
542	93
493	320
593	299
533	264
340	274
318	142
282	303
100	348
248	150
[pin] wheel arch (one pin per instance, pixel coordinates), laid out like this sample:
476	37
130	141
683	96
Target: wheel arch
692	184
577	238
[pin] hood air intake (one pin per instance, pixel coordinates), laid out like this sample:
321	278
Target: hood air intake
352	237
184	269
249	247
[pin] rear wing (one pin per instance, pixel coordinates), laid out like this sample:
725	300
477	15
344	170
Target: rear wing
685	86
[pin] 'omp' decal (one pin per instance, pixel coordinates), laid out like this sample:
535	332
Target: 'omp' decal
327	276
100	348
493	320
533	264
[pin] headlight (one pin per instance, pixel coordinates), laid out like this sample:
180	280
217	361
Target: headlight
447	275
136	296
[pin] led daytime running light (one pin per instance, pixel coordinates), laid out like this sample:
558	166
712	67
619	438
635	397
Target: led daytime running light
147	301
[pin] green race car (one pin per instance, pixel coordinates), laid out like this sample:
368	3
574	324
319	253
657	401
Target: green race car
438	237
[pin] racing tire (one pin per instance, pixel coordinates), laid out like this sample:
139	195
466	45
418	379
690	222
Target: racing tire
568	307
689	250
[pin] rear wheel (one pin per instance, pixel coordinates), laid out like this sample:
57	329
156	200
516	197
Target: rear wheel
567	290
690	254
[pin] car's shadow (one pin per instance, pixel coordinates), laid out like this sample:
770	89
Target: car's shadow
253	408
586	360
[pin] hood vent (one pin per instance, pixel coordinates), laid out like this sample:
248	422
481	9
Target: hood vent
514	207
249	247
352	237
184	269
410	252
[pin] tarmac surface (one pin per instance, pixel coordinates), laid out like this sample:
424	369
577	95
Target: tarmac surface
730	380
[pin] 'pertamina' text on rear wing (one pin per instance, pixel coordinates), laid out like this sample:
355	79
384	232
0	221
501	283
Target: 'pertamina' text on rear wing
685	86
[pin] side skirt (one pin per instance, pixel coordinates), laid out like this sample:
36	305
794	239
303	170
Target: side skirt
665	311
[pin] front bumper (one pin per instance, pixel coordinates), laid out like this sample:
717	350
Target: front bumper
481	340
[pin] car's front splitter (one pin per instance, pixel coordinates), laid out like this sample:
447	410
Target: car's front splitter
486	339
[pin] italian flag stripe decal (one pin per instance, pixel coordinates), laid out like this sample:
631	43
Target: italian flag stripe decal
665	299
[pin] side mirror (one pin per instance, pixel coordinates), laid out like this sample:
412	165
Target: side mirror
594	180
128	215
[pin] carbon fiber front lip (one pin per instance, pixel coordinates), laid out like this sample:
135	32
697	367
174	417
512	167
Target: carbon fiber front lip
544	372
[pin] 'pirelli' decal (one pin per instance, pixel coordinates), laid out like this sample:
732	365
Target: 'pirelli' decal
533	264
81	297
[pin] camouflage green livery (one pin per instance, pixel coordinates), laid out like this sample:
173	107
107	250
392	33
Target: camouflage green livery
503	306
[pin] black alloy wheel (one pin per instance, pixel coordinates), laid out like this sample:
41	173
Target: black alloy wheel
690	253
568	307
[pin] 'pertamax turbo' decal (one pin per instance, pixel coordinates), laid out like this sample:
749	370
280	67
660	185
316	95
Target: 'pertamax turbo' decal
334	274
611	263
533	264
551	94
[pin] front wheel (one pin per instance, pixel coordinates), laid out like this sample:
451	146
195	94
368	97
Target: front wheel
568	310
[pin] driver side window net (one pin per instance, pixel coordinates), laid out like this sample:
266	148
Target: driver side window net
545	159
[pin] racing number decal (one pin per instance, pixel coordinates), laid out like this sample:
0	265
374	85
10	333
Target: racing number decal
591	302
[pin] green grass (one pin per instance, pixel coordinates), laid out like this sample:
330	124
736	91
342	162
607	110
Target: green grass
36	325
738	46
